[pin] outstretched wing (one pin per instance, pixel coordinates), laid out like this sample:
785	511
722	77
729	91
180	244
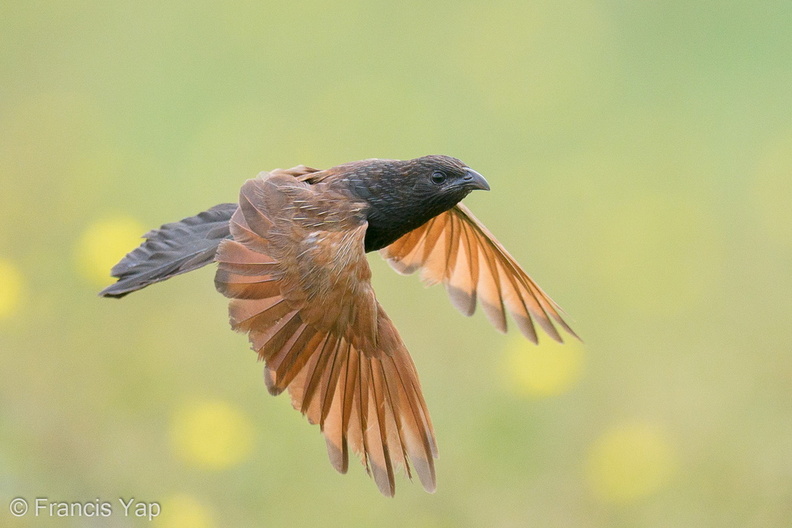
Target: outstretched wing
299	283
456	249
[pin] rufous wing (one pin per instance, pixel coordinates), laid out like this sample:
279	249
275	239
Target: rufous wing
455	248
299	283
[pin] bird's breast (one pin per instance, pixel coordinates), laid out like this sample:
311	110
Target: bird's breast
385	229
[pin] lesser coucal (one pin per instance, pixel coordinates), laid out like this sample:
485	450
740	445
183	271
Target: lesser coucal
292	258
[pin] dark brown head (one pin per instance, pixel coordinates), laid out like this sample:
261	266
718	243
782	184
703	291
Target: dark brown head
404	195
442	182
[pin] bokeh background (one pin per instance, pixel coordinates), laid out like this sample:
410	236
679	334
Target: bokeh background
640	155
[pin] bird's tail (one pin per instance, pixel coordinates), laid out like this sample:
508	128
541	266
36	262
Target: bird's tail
171	250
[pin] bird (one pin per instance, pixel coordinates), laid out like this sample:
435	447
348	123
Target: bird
291	257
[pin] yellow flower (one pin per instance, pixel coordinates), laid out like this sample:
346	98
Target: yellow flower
629	462
103	244
549	369
12	286
211	435
184	511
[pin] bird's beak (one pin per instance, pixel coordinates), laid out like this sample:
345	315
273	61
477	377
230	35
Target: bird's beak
474	180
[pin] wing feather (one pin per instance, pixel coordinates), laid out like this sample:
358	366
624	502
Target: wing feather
489	289
463	272
456	249
299	283
379	444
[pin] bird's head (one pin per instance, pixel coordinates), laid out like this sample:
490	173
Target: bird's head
440	182
403	195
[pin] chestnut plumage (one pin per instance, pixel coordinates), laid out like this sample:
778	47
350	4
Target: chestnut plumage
291	258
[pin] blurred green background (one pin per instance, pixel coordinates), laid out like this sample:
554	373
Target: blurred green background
640	156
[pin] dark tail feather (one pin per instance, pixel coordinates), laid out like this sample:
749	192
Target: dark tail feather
171	250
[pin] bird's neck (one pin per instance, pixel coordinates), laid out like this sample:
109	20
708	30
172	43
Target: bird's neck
392	210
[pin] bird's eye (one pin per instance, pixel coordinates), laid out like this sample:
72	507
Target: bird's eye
438	177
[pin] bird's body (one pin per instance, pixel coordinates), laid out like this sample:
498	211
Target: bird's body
291	257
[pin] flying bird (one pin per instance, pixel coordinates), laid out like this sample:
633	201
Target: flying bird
291	256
